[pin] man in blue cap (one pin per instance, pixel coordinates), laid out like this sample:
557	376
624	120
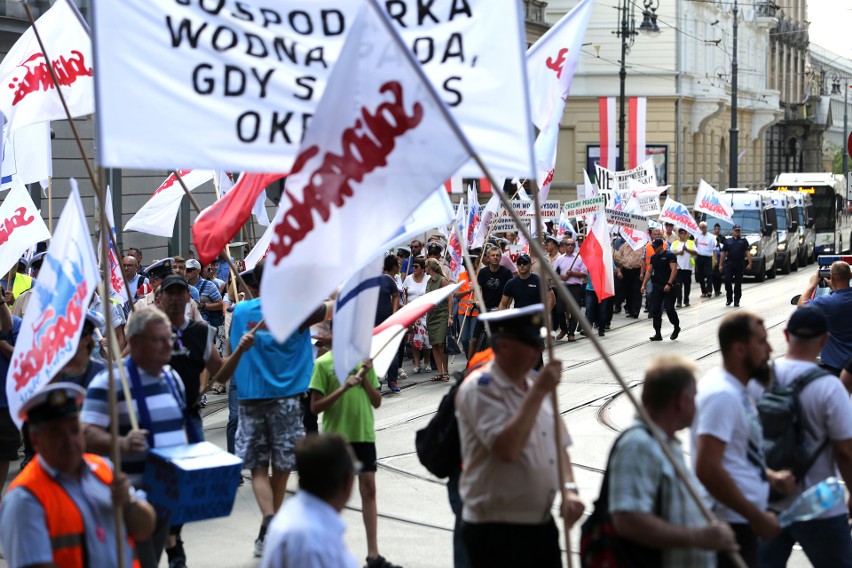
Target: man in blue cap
733	261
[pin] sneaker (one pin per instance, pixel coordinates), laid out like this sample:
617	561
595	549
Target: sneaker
428	368
203	402
416	370
393	386
402	374
258	547
379	562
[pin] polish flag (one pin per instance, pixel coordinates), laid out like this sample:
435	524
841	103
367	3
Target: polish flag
596	253
158	215
377	128
637	118
606	117
454	185
215	226
472	215
455	246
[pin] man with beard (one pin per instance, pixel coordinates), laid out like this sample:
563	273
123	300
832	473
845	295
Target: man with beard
728	441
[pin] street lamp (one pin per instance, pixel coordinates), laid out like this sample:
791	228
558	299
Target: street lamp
627	32
734	132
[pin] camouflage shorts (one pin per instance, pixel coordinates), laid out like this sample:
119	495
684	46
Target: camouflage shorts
268	431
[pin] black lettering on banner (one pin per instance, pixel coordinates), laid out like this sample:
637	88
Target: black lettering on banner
396	11
246	133
217	6
262	81
317	54
270	17
455	41
184	29
424	49
224	45
280	126
297	16
202	85
306	121
460	7
235	81
327	22
306	83
280	45
424	10
242	12
451	89
255	42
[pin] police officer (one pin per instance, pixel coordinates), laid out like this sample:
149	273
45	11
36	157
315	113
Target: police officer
59	510
735	253
661	273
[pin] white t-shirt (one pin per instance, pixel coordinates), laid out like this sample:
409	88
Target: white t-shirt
828	413
704	244
684	261
413	288
725	411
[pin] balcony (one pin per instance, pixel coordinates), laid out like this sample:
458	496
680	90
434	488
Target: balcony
534	11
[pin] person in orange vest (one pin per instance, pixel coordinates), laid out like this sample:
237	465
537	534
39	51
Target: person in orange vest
59	510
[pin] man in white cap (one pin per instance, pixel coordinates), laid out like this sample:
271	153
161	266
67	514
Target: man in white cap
506	427
59	510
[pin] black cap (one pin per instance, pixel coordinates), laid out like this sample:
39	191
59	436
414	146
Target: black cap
53	402
249	278
520	324
476	251
160	269
173	280
658	242
524	259
737	228
807	322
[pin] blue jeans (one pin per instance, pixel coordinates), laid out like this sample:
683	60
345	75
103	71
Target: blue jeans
460	559
467	331
826	542
233	416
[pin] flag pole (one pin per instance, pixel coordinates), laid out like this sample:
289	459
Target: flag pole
557	418
50	204
563	292
232	281
227	251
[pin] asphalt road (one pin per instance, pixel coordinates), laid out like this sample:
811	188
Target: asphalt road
415	521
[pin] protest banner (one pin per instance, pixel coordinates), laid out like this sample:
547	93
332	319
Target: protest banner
710	201
505	223
21	226
246	80
645	174
626	219
583	206
526	209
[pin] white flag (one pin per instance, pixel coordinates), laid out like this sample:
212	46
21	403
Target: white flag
116	275
27	155
246	78
158	215
21	226
676	213
551	62
31	97
54	318
710	201
380	128
491	209
354	316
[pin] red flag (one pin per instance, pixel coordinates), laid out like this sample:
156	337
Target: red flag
596	253
217	224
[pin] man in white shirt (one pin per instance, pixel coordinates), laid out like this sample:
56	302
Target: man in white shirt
684	251
307	532
827	427
705	243
727	439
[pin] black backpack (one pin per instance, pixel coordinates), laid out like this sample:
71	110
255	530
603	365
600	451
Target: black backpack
438	444
600	545
783	425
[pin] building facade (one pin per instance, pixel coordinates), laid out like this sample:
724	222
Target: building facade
831	78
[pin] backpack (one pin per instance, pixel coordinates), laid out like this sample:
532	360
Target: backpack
438	444
600	545
783	425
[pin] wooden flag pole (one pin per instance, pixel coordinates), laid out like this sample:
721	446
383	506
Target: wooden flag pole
563	292
197	207
50	204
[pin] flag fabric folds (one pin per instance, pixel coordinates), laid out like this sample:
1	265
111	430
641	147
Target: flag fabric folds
710	201
157	216
606	118
21	225
596	252
56	313
31	97
377	128
456	247
27	155
354	315
116	276
636	133
215	226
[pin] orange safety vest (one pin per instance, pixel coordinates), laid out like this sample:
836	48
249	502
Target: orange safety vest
467	304
64	520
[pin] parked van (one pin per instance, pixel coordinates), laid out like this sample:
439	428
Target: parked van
755	215
787	255
807	234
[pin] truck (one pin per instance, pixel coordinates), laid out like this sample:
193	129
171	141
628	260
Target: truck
787	254
756	217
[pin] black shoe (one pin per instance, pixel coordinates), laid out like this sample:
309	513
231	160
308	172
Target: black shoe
675	333
679	305
686	304
600	333
736	304
657	337
718	294
728	303
379	562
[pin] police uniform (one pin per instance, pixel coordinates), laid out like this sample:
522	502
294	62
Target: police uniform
507	505
662	296
736	255
48	517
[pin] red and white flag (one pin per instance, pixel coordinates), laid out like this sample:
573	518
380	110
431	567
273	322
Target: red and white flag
116	275
378	128
158	215
21	225
596	252
636	135
29	96
606	118
56	313
551	62
455	245
454	185
491	209
215	226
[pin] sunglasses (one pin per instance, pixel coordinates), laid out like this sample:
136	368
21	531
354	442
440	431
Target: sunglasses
522	263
